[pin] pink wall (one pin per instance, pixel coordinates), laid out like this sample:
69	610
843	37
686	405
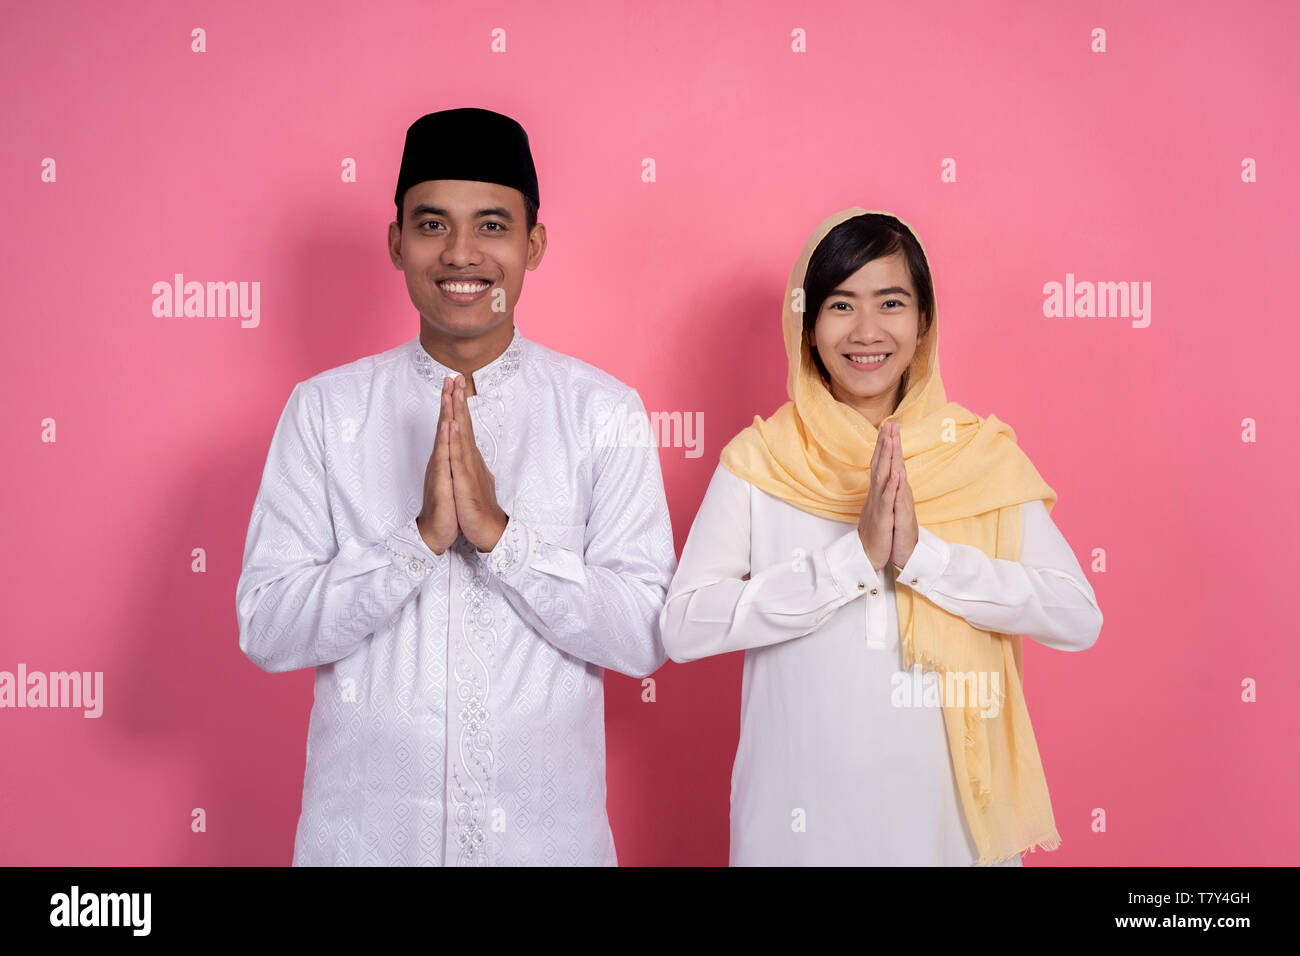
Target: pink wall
1125	165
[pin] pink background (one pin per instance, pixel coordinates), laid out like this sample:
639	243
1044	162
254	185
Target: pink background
225	165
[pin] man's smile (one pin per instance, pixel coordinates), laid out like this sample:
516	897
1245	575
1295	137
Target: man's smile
464	290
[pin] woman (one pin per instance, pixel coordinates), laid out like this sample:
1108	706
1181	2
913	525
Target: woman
867	467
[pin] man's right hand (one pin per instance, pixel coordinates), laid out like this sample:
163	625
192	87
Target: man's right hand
437	519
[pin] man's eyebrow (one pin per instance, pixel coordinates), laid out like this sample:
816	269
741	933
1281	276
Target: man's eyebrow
424	209
849	293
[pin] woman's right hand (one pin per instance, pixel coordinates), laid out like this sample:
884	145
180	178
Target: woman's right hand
876	523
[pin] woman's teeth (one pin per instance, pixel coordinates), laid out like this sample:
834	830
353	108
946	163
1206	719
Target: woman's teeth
870	361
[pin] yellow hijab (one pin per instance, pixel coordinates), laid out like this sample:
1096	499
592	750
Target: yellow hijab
968	479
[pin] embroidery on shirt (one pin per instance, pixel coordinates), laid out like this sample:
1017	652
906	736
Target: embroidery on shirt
472	772
507	550
550	603
485	379
417	569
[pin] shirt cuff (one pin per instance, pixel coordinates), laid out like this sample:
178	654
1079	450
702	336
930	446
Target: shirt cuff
850	566
928	561
410	554
512	552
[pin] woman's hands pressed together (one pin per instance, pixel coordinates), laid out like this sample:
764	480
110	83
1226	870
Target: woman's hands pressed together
887	525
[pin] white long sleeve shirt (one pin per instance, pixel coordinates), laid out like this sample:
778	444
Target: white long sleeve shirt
829	771
458	715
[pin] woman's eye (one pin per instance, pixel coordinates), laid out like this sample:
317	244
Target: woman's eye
836	305
895	301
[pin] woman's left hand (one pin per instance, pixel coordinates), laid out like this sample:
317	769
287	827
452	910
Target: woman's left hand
905	527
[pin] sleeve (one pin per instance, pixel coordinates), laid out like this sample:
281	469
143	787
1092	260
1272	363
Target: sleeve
1044	595
302	599
601	606
714	603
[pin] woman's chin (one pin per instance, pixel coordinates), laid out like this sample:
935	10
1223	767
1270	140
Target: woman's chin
856	392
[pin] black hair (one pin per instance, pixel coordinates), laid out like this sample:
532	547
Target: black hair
530	211
850	246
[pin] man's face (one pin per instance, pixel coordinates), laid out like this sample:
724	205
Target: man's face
463	247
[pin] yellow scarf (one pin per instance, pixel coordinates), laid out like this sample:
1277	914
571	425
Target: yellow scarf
968	479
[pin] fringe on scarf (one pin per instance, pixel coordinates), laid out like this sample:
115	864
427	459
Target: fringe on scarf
1051	841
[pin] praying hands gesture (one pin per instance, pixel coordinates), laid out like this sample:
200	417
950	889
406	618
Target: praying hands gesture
887	525
459	491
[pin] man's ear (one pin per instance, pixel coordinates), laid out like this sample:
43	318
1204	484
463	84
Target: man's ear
395	245
536	246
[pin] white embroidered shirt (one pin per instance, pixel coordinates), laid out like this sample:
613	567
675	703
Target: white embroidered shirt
458	715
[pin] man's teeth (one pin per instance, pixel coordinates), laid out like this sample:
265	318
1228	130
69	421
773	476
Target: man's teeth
464	288
868	361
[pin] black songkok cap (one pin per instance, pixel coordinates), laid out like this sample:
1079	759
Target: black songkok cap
467	143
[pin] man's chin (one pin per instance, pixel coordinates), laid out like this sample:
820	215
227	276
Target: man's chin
462	323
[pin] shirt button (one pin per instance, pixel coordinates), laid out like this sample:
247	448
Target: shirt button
861	586
417	565
914	581
875	590
503	563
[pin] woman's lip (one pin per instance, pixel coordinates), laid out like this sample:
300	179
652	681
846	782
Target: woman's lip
869	368
463	298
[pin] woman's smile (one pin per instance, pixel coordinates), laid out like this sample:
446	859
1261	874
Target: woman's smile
867	361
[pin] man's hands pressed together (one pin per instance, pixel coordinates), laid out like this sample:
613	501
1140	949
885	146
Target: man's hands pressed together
459	491
481	519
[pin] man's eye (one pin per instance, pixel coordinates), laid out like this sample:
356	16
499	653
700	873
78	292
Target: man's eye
429	222
497	224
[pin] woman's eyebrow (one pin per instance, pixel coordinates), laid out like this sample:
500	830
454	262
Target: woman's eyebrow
892	290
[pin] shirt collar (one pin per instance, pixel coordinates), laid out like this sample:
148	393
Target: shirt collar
490	377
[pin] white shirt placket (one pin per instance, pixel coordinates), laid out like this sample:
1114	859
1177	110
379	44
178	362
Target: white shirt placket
473	612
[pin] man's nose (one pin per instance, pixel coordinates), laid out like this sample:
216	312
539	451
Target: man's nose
459	248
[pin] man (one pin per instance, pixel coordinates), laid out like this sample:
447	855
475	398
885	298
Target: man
459	534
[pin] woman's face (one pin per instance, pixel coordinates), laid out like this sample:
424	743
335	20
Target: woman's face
871	313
